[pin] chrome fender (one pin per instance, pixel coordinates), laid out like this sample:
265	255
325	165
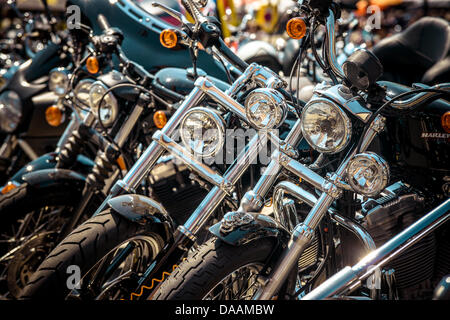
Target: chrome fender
143	210
238	228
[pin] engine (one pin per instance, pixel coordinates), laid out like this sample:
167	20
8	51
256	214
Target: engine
418	269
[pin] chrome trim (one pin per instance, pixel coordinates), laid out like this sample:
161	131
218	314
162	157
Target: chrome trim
347	126
420	97
124	132
220	126
341	95
331	45
349	278
216	195
146	161
188	158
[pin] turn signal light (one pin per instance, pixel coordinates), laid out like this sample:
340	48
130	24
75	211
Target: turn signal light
121	163
168	38
54	116
445	121
296	28
9	186
92	65
160	119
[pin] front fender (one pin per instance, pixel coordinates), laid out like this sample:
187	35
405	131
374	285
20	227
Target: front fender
55	177
256	226
83	165
143	210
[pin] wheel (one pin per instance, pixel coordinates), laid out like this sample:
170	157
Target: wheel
109	251
218	271
30	221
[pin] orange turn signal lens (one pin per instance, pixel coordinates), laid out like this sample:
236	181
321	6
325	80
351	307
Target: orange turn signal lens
296	28
168	38
92	65
445	121
9	186
121	163
160	119
54	116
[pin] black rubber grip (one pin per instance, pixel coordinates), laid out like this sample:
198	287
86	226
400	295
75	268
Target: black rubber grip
231	57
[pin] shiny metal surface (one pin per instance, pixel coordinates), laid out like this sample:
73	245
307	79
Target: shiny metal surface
331	44
343	97
188	158
348	279
145	163
420	97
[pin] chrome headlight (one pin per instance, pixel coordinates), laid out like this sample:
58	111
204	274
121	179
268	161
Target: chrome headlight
265	108
59	81
203	132
10	111
109	108
367	174
82	90
325	126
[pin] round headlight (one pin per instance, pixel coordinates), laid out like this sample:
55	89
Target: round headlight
59	81
109	108
203	132
10	111
367	174
265	108
82	90
325	126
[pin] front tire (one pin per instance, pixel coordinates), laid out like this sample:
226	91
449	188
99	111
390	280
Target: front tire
83	247
207	268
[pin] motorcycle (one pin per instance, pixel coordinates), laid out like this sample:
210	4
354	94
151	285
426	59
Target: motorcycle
25	95
126	106
349	202
132	240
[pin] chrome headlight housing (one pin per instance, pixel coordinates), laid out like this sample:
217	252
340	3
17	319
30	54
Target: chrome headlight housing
59	81
10	111
325	126
202	131
367	174
265	108
109	108
82	91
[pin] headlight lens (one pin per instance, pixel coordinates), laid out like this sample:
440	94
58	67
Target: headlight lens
59	81
325	126
367	174
10	111
203	132
265	108
82	90
109	108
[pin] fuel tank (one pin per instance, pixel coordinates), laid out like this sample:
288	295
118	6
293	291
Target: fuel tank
142	30
416	145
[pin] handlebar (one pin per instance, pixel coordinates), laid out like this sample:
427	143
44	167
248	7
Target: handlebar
103	22
420	97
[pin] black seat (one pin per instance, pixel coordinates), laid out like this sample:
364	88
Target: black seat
418	54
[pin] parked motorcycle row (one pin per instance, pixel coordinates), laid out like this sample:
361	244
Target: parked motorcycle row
145	158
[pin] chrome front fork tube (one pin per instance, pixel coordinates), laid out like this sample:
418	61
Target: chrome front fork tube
218	193
303	233
154	151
